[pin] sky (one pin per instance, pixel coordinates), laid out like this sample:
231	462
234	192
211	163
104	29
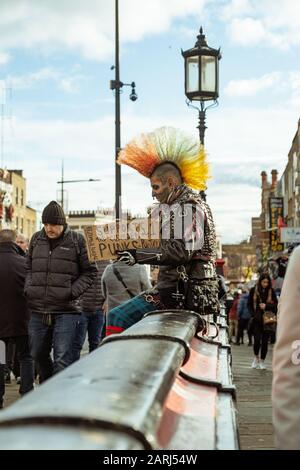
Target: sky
56	103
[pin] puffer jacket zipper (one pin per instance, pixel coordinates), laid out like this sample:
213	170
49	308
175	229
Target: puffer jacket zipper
48	269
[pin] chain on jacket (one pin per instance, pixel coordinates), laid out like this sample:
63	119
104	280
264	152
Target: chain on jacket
186	195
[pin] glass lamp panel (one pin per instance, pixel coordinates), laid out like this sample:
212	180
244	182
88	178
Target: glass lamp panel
192	74
208	74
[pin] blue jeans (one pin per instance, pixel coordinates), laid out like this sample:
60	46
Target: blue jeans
60	336
26	365
91	323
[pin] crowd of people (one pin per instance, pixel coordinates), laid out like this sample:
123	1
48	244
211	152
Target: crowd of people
52	297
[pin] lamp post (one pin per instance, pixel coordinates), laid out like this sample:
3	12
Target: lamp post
201	65
116	85
63	181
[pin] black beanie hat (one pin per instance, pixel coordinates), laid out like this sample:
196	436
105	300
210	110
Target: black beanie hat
53	214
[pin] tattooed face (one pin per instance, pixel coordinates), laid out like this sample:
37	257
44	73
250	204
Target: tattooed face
160	190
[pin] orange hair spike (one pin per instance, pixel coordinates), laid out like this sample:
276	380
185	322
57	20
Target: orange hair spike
147	151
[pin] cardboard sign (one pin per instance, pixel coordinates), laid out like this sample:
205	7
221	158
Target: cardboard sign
103	241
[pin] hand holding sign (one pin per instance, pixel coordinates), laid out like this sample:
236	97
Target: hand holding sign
127	257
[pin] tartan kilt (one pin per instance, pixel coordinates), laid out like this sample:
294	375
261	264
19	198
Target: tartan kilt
127	314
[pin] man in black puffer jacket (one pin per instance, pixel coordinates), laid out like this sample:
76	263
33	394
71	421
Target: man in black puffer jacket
58	272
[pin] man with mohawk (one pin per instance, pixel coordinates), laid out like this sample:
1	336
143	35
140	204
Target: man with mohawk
177	168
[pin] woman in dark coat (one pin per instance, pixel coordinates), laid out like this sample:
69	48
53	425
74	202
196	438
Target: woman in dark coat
262	298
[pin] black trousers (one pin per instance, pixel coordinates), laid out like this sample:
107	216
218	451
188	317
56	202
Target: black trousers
26	373
12	358
243	325
261	339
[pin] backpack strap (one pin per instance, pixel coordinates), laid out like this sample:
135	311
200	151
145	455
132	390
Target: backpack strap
34	241
119	277
75	240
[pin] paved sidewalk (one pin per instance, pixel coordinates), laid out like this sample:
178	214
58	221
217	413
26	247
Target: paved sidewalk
11	393
12	390
253	399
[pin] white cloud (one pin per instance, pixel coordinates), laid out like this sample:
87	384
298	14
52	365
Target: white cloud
87	148
282	14
4	58
252	86
87	28
294	80
68	83
236	8
251	136
2	92
288	84
264	23
241	143
233	209
251	32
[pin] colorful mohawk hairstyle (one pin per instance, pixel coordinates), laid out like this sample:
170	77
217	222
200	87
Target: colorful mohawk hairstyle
167	144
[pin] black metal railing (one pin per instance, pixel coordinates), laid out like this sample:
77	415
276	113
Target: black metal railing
165	383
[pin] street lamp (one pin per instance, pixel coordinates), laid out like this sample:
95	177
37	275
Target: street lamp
201	65
116	85
63	181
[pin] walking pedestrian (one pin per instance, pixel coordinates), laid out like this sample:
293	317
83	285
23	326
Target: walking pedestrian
244	316
13	364
262	299
14	315
233	318
22	242
59	272
91	320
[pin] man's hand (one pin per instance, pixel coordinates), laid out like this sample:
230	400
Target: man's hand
262	306
105	307
128	257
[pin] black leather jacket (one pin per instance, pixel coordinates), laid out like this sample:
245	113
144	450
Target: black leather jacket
195	250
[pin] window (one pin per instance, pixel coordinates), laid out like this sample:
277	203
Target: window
17	196
22	225
22	197
17	223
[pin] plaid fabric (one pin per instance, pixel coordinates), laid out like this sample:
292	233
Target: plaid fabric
130	312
